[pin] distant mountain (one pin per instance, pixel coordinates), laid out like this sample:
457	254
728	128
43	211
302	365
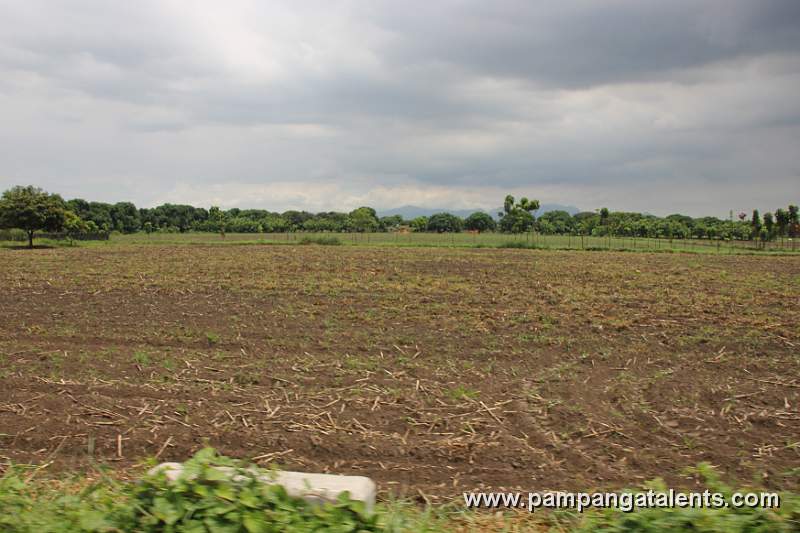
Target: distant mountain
409	212
412	211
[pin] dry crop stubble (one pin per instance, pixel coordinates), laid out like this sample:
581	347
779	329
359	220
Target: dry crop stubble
430	370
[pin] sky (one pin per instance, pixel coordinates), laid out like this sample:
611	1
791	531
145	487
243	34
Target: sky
688	106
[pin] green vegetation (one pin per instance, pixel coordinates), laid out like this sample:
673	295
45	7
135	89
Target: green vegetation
362	220
517	217
324	241
31	209
216	494
590	371
444	223
522	245
202	499
786	518
480	222
465	240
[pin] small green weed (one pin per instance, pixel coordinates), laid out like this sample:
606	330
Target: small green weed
212	338
461	392
142	358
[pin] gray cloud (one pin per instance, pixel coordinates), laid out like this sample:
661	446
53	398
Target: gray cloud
625	103
579	44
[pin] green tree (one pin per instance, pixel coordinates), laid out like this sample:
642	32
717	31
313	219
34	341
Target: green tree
217	220
74	226
781	221
125	217
391	223
295	219
585	221
419	224
171	217
31	209
363	219
755	223
604	216
445	223
769	225
794	221
682	219
516	216
97	212
559	222
480	222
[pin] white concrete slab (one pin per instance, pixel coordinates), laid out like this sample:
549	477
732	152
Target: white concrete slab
315	488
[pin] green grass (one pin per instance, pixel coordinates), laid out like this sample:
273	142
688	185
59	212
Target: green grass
461	240
207	499
142	358
468	240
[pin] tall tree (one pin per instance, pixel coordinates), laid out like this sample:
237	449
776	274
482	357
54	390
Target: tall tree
604	216
794	221
516	216
31	209
217	220
769	224
781	221
755	223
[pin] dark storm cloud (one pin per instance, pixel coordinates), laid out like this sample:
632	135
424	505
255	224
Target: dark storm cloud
578	44
456	102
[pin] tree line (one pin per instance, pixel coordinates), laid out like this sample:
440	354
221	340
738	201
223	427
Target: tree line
783	223
31	209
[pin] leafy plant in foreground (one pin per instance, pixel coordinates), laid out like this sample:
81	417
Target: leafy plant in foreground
215	494
212	495
727	519
233	499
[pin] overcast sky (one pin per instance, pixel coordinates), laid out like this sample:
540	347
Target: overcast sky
660	106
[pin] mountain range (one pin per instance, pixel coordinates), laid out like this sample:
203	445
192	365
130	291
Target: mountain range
409	212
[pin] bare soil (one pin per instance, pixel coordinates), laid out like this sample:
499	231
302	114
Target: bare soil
431	370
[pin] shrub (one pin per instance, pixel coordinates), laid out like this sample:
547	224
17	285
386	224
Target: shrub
202	499
519	244
17	235
324	241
